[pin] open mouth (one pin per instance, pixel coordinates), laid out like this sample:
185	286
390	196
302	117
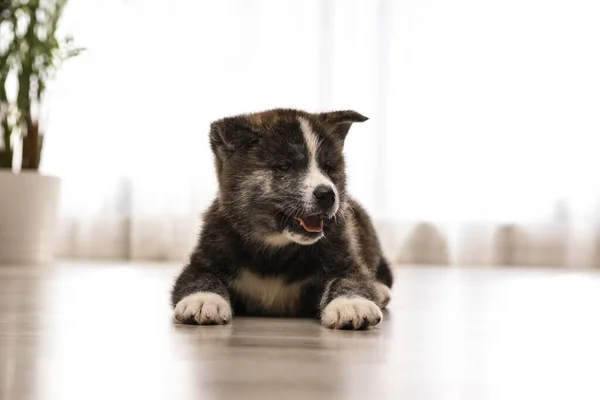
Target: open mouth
311	226
312	223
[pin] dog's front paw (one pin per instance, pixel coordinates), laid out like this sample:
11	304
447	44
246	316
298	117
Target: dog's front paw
351	313
385	294
204	309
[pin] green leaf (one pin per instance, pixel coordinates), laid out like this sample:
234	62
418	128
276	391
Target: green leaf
33	54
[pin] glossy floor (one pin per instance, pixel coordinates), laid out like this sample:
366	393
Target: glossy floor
85	331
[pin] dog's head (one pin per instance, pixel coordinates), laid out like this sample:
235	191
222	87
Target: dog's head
281	172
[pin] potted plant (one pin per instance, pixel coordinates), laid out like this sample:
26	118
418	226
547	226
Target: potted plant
30	52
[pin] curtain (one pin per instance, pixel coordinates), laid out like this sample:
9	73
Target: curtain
482	147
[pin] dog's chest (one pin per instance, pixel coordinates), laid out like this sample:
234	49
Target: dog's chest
266	295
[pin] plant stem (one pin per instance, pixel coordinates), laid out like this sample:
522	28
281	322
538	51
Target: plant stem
26	77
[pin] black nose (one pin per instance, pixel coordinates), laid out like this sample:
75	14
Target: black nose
325	195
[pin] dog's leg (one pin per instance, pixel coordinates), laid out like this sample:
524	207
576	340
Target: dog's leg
349	304
200	298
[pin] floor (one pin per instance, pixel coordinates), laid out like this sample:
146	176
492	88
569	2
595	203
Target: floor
104	331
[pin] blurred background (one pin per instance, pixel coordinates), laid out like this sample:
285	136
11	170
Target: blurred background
482	145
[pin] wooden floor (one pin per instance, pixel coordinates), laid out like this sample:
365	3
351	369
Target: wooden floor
85	331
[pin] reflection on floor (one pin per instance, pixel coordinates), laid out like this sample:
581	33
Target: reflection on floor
104	331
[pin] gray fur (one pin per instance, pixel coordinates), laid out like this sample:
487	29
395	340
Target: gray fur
250	236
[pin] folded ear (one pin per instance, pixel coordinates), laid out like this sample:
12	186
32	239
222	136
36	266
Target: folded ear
228	135
340	121
231	133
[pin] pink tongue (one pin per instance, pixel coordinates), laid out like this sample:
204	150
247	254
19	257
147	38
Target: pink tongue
311	224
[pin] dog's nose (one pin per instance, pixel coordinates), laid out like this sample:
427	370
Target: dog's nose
325	196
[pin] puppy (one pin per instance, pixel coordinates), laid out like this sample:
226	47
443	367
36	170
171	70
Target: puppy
283	238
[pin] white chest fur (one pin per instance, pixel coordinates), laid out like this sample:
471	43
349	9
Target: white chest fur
269	295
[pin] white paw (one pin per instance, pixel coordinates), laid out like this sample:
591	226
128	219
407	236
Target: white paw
385	294
203	308
351	313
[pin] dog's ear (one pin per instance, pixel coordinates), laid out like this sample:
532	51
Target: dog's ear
340	121
230	134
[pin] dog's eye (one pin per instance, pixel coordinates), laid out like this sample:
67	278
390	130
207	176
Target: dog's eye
328	168
284	166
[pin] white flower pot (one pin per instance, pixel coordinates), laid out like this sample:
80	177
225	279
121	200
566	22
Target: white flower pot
28	217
